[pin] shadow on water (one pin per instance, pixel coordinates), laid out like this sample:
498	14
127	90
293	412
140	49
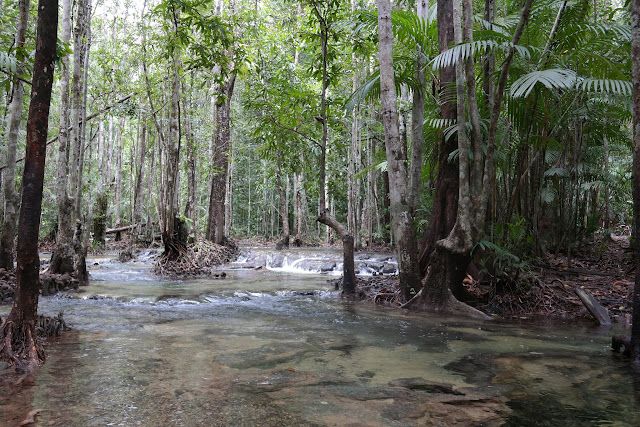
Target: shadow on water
275	348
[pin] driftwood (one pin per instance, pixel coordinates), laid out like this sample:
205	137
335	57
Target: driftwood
123	228
595	308
348	269
575	271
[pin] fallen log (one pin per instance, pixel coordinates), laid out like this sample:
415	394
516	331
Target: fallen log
124	228
595	308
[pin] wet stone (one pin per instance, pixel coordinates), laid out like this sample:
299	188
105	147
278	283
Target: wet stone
389	269
421	384
327	266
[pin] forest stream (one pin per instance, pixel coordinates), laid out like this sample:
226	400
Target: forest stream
274	347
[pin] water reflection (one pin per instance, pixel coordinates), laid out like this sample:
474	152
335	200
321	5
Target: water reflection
269	348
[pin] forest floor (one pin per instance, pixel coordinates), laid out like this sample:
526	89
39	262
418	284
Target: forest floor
547	291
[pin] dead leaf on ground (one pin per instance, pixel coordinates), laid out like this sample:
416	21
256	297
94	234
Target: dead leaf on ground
31	417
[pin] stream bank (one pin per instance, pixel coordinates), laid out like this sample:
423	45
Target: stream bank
274	347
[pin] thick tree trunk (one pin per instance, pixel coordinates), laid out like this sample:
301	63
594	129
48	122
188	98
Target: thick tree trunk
635	56
220	161
473	196
348	268
8	180
172	246
17	334
445	200
401	214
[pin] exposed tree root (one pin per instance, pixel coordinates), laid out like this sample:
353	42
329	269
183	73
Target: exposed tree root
194	260
22	344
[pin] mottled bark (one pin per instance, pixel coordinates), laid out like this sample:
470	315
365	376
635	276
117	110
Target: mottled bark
220	162
401	215
189	209
62	257
348	267
445	199
17	335
138	200
170	189
473	197
8	179
284	205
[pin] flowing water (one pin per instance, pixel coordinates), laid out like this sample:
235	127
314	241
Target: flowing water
273	348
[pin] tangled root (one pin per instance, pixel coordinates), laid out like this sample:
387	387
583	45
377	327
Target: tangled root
22	344
194	260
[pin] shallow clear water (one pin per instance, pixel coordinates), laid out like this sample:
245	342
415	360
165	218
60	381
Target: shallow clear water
271	348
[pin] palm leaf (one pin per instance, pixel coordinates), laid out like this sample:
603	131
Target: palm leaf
553	78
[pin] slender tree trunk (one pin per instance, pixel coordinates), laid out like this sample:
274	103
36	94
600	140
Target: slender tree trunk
138	201
118	173
284	211
18	335
417	117
228	200
62	257
8	180
189	209
401	214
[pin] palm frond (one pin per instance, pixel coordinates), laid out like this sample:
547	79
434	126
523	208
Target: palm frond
553	78
451	56
615	87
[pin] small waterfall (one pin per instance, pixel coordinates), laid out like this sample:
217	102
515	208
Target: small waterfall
319	261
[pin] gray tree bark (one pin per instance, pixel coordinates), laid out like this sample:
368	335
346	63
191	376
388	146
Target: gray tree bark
11	201
401	214
62	257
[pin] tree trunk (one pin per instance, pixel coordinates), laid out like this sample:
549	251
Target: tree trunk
473	196
417	117
9	185
118	173
445	199
401	214
284	211
189	209
220	161
62	257
348	268
172	246
635	58
137	195
18	336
